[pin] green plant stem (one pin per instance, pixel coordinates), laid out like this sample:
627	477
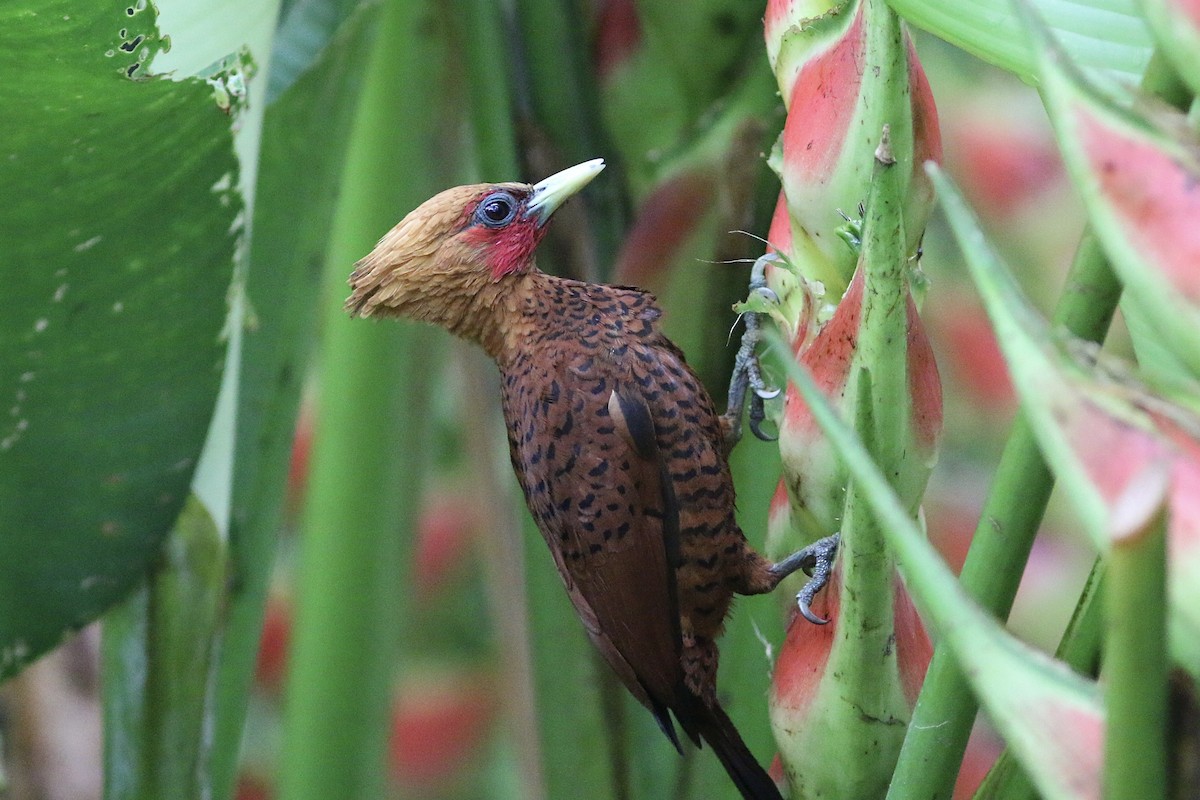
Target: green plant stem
489	85
945	710
364	474
341	657
495	158
157	653
558	94
1135	665
310	122
1079	648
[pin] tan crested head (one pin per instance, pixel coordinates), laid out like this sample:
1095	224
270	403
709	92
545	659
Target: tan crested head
448	261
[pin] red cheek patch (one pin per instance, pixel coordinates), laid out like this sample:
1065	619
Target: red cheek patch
506	250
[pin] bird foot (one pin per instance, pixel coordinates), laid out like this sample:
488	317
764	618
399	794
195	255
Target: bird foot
817	562
747	370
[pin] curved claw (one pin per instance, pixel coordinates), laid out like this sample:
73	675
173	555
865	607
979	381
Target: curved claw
820	575
804	599
760	434
746	371
758	415
821	552
767	293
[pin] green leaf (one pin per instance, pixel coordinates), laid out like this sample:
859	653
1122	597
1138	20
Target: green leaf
942	719
1107	35
119	251
309	33
1176	27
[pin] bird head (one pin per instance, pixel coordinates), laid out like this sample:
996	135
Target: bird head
459	245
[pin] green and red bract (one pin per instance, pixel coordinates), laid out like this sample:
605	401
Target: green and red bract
861	122
845	70
1136	163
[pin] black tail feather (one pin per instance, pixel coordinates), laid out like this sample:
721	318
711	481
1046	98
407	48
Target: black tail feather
714	726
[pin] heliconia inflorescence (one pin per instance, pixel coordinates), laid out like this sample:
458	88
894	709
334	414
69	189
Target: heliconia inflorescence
861	123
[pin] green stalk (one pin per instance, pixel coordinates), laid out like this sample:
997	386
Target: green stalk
309	123
341	657
546	753
490	88
558	93
156	654
363	478
576	762
945	711
1135	662
1079	648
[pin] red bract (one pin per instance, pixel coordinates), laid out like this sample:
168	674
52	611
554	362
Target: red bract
1155	197
437	724
444	532
1184	500
665	220
811	469
273	644
298	464
1191	10
840	90
1083	733
779	521
800	667
927	141
618	35
983	748
951	520
1137	165
967	342
252	787
1097	435
821	106
1002	161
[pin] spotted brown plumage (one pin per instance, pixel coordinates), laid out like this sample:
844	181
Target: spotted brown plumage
617	446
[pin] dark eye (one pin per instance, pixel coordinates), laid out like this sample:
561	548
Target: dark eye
497	209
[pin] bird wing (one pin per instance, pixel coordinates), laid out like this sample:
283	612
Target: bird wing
583	444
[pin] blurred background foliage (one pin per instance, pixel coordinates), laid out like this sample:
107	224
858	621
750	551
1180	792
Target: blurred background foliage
419	635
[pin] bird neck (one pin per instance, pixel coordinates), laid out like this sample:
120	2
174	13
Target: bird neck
507	317
482	315
490	313
512	314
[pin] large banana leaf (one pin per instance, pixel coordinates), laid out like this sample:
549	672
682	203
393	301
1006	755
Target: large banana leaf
117	243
